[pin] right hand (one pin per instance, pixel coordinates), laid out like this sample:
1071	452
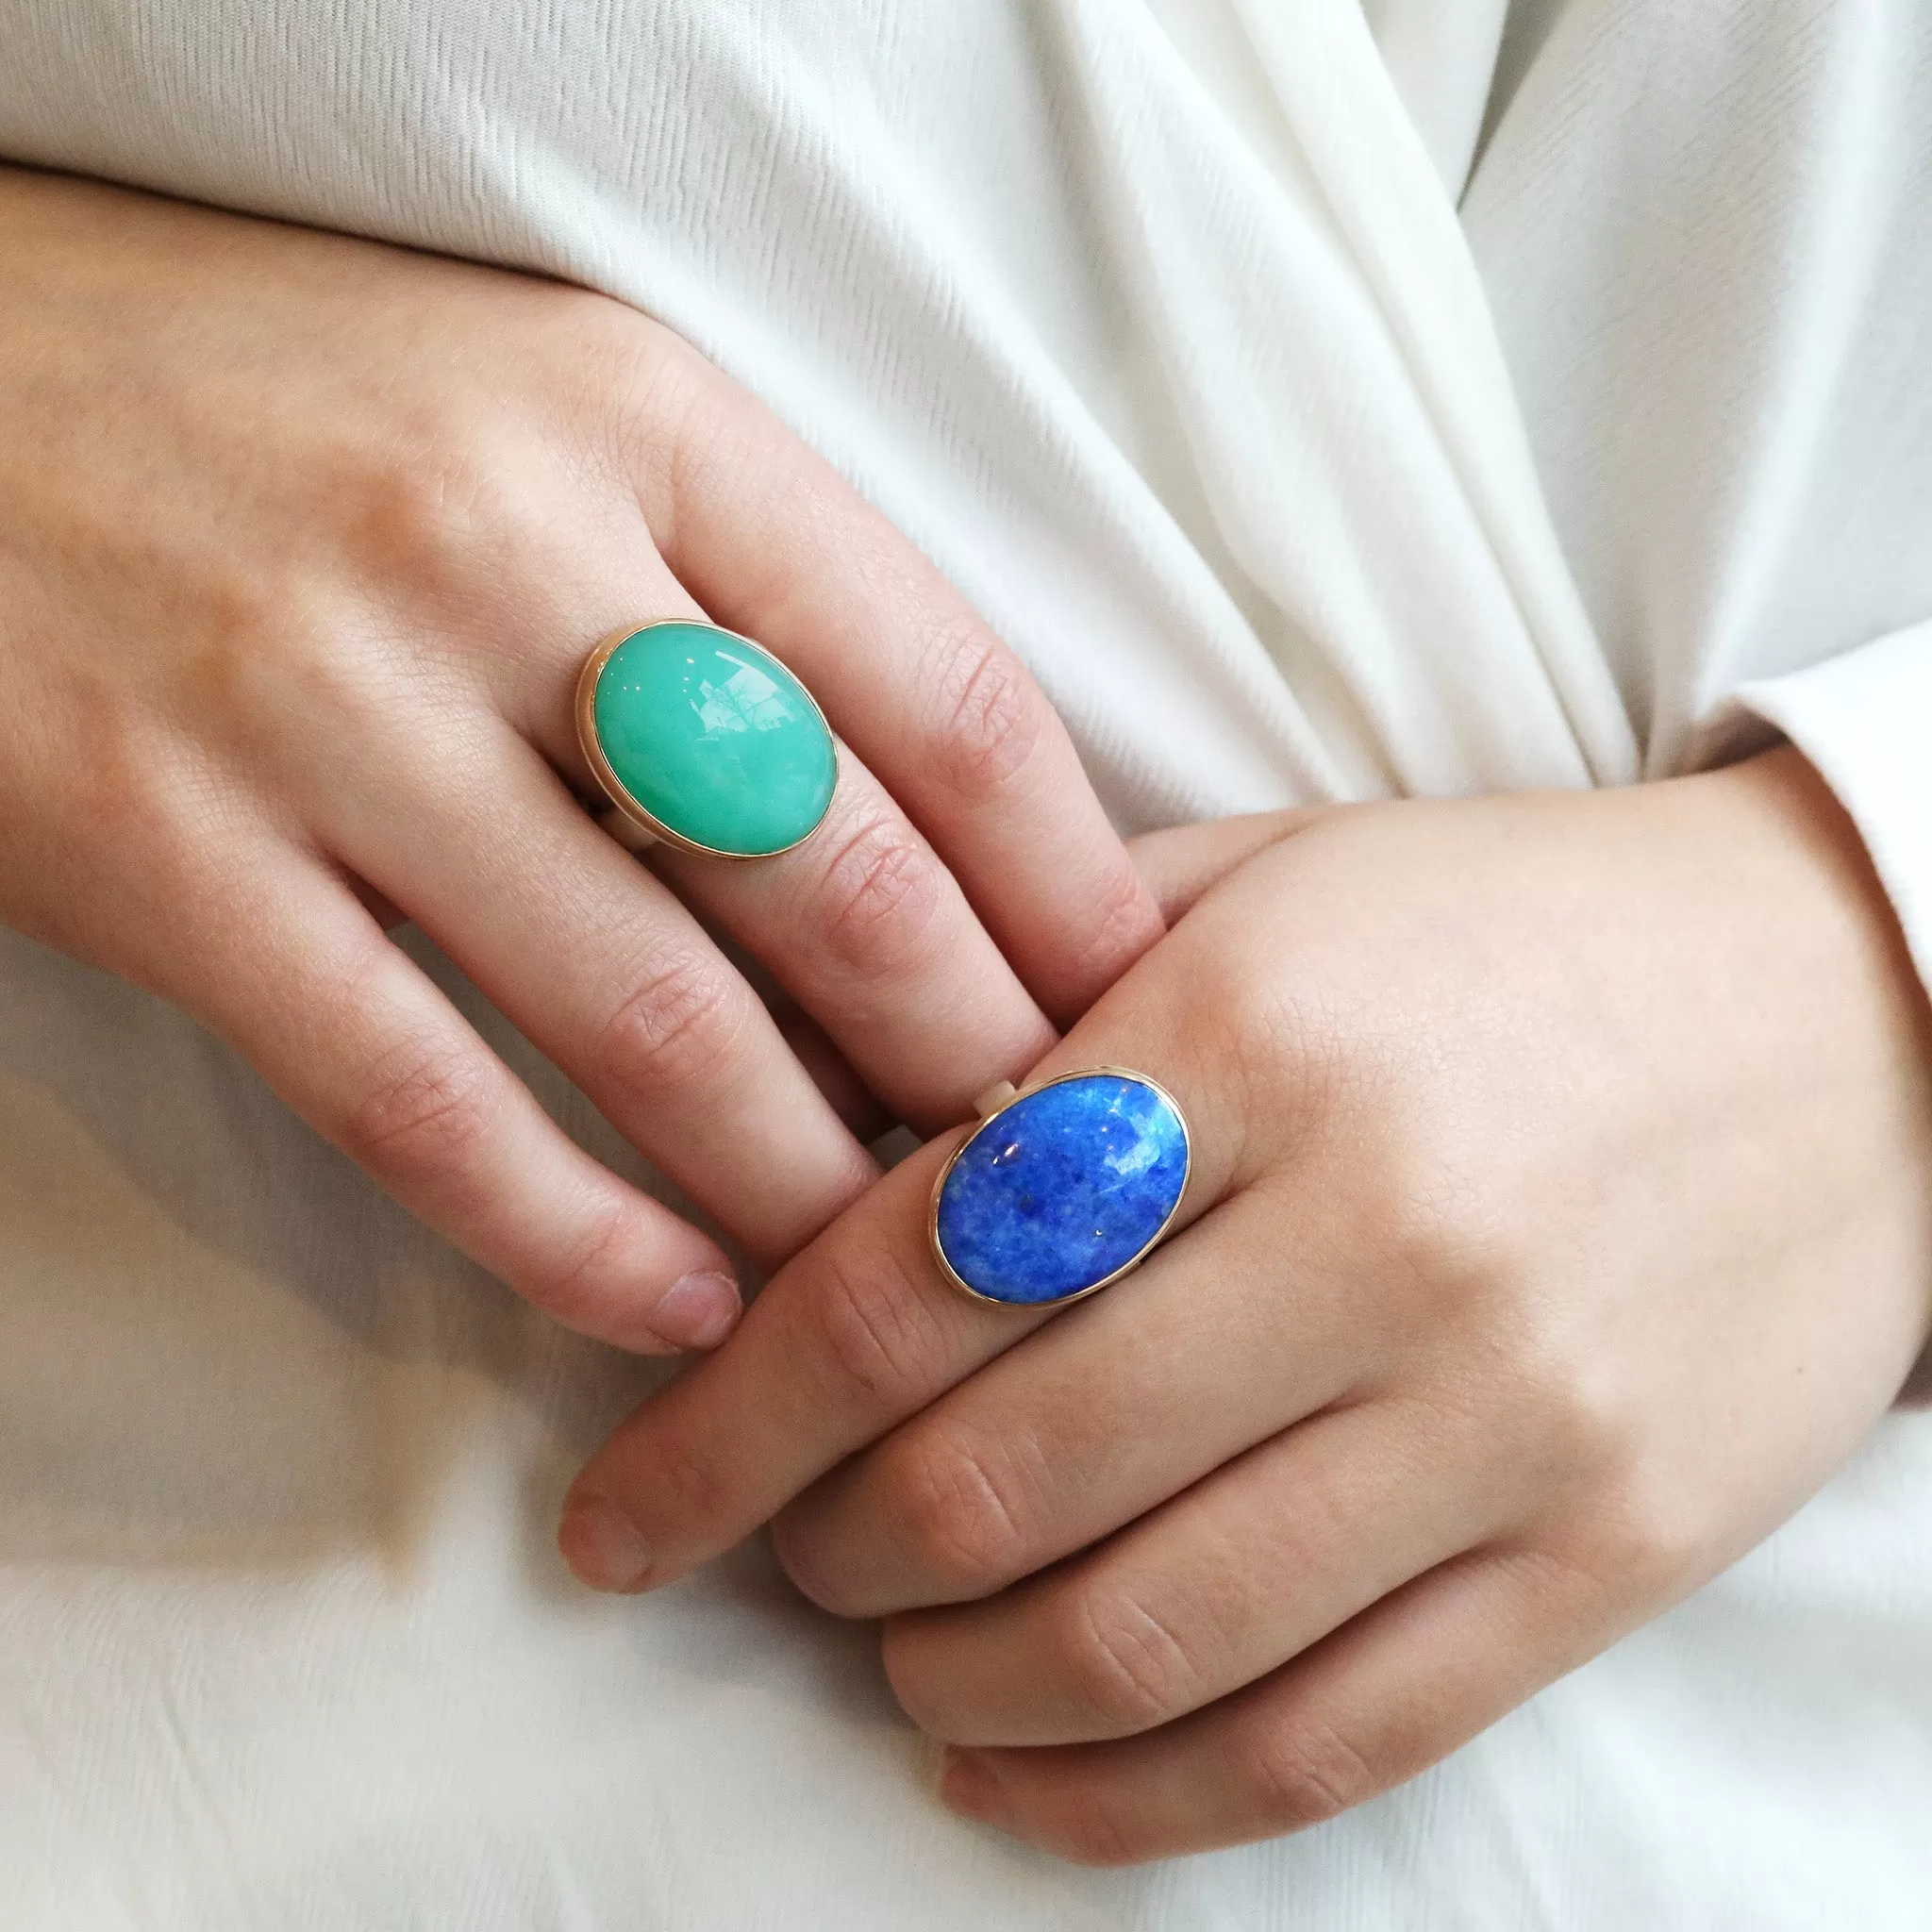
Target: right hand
303	541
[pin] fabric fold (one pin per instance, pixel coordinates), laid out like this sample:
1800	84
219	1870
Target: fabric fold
1865	721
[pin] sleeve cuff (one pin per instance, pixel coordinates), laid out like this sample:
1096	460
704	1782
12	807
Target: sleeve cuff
1864	720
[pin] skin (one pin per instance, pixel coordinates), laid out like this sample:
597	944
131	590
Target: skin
1562	1207
1561	1219
303	541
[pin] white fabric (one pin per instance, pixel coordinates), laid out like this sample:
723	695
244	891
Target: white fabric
1153	321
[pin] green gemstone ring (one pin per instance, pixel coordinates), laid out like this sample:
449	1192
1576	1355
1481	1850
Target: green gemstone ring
703	739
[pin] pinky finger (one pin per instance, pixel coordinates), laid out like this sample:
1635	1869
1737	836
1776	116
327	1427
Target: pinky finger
361	1043
1386	1697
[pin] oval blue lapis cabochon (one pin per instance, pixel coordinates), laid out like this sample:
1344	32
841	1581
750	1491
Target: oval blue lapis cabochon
1062	1188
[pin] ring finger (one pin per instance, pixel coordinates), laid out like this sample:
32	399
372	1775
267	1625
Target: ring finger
611	977
861	922
1387	1696
1212	1590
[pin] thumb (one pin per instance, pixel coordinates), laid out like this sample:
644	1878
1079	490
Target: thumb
1179	864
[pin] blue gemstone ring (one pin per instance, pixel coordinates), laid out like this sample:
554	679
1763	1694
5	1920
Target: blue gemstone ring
1062	1188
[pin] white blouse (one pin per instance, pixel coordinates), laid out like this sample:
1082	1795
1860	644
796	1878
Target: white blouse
1331	399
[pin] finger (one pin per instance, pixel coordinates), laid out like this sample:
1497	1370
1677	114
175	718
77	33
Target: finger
851	1336
773	544
1217	1588
1384	1698
386	916
1099	1419
871	934
859	1332
359	1042
832	1074
603	969
863	924
1181	863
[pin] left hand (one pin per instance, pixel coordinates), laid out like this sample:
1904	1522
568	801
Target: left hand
303	541
1560	1218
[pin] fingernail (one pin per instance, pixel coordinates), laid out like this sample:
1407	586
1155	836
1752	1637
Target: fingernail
969	1785
698	1310
602	1545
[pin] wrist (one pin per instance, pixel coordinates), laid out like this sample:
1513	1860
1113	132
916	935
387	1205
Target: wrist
1834	939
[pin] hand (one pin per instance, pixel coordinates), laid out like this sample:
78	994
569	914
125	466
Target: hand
303	541
1561	1216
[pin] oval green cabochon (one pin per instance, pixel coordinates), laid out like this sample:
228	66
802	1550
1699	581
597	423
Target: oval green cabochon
715	739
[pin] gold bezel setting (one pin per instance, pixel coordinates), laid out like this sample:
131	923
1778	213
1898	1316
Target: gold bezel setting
639	817
1153	1240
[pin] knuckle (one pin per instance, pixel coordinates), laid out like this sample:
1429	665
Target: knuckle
587	1278
1436	1230
1306	1773
991	715
679	1029
1577	1411
1443	1229
679	1484
879	1333
1265	1036
1128	1668
1121	924
425	1109
605	355
344	682
456	526
957	1513
668	398
170	802
437	491
1640	1540
307	667
184	829
876	897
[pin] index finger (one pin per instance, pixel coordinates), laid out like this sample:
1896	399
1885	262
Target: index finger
773	542
859	1332
853	1335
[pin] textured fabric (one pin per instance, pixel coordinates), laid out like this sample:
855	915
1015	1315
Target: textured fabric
1154	321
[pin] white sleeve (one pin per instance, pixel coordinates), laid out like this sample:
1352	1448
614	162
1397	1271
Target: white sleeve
1865	721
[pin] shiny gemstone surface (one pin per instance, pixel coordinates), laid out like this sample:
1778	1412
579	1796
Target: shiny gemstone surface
1064	1188
715	739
